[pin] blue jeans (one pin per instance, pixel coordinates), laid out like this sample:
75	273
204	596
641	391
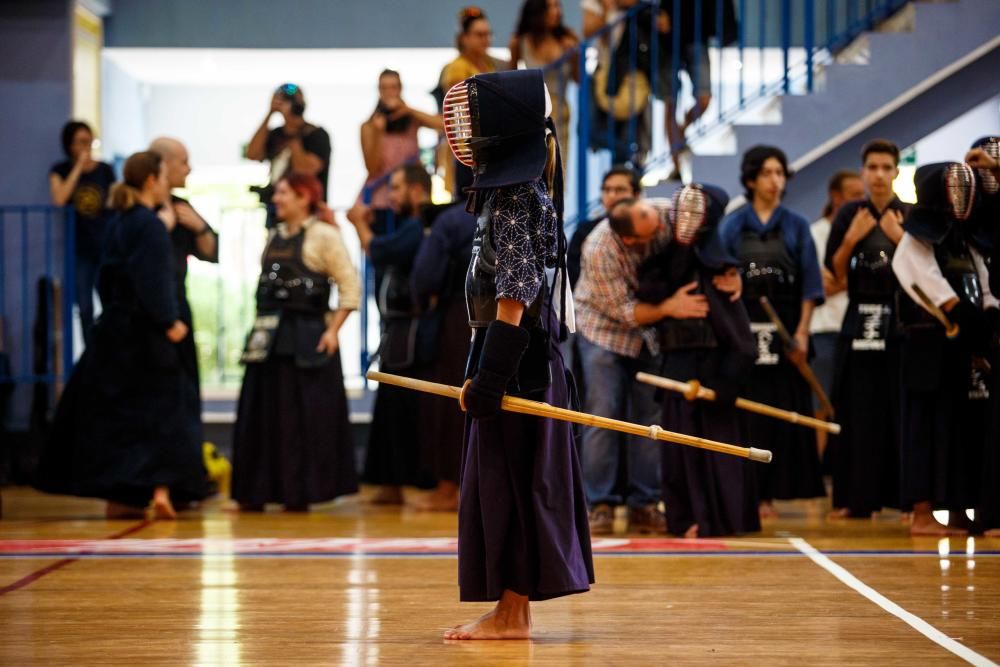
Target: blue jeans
612	391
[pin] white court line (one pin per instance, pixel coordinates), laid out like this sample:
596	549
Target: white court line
914	621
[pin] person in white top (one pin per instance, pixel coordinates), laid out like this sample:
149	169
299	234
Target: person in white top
844	186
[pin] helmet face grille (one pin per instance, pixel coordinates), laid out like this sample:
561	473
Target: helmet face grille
457	112
990	183
960	184
689	211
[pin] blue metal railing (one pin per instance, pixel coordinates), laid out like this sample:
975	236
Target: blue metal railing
807	33
368	271
41	235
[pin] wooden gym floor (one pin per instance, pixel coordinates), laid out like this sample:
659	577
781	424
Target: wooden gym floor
352	584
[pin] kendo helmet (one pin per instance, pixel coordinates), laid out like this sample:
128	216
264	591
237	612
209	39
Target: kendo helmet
695	213
991	146
495	124
946	192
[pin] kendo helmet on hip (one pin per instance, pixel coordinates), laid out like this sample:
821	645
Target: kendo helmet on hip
495	124
946	192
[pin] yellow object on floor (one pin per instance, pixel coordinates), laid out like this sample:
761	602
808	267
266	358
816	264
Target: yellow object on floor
220	470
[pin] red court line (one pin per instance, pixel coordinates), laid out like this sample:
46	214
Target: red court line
58	565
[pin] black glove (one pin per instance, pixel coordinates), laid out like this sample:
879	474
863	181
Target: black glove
972	327
502	351
726	393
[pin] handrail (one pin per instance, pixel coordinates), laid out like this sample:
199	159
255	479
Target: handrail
55	370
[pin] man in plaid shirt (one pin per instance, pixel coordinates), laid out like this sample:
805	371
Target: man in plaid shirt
615	343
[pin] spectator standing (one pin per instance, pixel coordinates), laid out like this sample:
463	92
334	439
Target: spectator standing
540	40
389	136
297	146
475	36
844	186
618	184
83	183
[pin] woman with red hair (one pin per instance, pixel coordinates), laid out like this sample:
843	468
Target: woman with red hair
292	442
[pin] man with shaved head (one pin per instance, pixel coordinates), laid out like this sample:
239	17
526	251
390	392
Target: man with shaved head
190	236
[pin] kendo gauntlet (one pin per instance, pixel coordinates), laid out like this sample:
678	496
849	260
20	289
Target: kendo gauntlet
502	351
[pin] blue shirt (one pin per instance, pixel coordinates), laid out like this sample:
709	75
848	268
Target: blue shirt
398	248
795	232
448	243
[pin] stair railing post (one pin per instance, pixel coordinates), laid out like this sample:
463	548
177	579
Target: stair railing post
582	134
741	43
762	29
720	43
786	38
809	38
633	51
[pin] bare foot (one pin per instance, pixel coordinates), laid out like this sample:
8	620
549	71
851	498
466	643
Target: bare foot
433	502
692	532
387	495
767	510
511	619
162	507
838	514
119	511
928	525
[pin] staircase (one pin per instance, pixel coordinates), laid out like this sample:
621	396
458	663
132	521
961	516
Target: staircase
923	68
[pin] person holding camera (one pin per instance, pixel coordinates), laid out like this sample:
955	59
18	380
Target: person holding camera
297	146
389	136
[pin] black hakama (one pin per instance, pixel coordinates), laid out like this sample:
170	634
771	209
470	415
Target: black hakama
393	454
442	424
866	452
522	518
795	470
988	509
942	428
715	491
292	442
124	424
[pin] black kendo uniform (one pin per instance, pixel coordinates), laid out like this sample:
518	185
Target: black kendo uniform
393	454
714	491
122	426
438	282
770	269
985	226
292	440
866	382
944	391
522	522
185	244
